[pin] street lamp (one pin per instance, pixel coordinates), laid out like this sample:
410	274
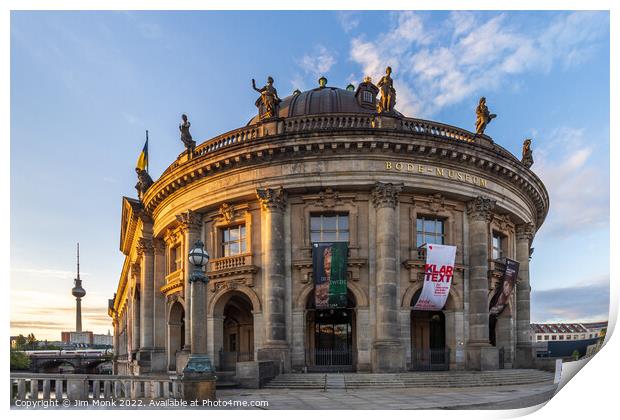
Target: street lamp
198	257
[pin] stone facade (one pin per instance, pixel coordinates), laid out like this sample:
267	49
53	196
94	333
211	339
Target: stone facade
263	184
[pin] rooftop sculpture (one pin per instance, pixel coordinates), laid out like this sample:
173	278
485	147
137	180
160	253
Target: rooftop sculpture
268	99
483	116
527	159
388	93
186	137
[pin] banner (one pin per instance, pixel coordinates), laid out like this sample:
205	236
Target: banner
329	269
438	273
504	289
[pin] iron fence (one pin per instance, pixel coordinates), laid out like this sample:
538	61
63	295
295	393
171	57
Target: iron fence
430	359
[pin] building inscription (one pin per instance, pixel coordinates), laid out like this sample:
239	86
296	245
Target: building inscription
435	171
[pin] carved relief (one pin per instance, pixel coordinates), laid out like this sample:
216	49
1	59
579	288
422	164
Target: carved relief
232	284
436	204
503	222
272	199
329	198
386	194
480	209
189	220
526	231
144	245
227	212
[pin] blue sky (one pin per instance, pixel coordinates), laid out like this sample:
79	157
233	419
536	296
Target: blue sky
86	85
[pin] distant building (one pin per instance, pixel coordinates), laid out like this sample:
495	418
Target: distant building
561	340
83	338
102	339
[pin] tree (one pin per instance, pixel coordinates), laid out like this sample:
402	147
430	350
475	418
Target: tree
31	340
20	342
575	354
19	360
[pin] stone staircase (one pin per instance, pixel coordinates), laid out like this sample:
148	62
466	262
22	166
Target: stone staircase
447	379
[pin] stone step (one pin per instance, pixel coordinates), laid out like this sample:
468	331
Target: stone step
443	379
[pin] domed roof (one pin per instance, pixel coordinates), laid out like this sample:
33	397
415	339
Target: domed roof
322	100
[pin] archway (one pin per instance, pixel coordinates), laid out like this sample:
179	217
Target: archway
237	332
428	339
330	337
176	334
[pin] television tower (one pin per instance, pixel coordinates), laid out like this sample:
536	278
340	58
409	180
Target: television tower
79	293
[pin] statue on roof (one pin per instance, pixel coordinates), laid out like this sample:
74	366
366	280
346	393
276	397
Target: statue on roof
144	182
527	159
268	102
186	137
388	93
483	116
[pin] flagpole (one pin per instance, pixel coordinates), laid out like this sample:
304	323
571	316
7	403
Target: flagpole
147	151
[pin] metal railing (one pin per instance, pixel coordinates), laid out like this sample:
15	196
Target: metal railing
326	357
430	359
58	387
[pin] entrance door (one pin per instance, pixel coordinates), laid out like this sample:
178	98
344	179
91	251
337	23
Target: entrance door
333	338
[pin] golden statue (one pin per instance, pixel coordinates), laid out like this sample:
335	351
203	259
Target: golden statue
268	99
527	159
483	117
388	94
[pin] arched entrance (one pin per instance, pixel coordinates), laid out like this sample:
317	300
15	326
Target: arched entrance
330	337
428	339
176	334
238	332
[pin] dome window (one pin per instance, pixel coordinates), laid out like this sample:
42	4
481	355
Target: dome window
366	94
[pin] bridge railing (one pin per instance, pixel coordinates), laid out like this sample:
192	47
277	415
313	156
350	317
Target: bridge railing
58	387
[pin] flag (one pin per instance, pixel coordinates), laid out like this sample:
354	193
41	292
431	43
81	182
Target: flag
143	159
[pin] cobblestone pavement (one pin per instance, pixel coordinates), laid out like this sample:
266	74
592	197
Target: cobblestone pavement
396	399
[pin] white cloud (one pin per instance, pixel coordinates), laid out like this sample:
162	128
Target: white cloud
469	54
348	20
578	186
314	64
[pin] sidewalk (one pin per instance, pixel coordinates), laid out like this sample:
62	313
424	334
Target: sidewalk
397	399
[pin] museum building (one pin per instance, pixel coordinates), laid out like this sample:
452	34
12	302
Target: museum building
328	165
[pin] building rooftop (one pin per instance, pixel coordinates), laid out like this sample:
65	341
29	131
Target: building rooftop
567	328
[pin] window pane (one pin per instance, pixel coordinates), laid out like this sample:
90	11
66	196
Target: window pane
234	234
343	222
429	226
329	236
439	225
226	236
242	231
234	248
329	222
315	223
419	224
420	239
315	237
343	236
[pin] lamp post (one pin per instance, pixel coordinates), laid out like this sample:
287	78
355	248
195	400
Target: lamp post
198	377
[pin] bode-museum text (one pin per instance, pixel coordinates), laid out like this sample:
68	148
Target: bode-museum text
435	171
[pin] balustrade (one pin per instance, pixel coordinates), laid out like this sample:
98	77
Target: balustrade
33	387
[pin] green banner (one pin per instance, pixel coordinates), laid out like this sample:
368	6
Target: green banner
329	268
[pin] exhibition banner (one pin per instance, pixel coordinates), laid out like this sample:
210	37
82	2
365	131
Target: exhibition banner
504	289
329	269
438	273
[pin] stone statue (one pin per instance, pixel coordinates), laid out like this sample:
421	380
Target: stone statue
527	159
268	99
483	117
144	182
186	137
388	94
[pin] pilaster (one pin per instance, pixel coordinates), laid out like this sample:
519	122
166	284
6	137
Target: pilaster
524	356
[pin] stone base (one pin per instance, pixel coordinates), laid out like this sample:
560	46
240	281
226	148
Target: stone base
387	357
255	374
524	357
198	378
278	353
482	357
386	120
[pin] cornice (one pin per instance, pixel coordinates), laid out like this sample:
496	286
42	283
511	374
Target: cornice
487	157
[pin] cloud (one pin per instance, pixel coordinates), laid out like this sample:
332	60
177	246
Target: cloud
565	164
582	303
315	64
470	54
349	20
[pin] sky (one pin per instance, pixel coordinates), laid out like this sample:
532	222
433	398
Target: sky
86	85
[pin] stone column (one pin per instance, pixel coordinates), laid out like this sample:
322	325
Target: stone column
275	346
146	256
387	349
480	354
524	357
198	377
135	309
158	357
191	224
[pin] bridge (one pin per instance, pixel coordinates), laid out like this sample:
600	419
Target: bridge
81	363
